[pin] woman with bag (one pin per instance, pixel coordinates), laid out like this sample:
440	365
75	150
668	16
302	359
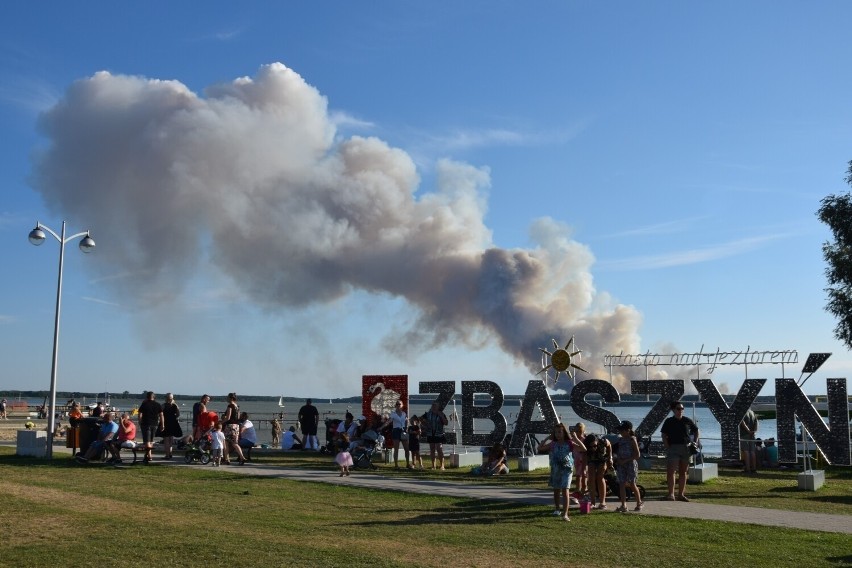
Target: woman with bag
399	419
561	450
231	427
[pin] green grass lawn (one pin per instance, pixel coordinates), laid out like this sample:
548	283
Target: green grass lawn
62	514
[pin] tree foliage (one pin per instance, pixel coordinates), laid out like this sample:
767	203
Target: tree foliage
836	212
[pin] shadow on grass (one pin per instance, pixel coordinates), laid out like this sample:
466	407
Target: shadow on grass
464	513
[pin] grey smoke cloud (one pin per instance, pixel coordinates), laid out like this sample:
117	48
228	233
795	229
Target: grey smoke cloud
252	178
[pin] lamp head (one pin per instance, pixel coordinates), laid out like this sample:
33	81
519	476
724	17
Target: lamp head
37	236
87	244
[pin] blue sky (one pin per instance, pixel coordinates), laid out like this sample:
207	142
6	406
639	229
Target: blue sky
656	166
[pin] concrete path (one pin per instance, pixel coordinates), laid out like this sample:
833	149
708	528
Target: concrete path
544	497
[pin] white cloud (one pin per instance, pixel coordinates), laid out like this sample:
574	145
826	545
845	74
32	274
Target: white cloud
692	256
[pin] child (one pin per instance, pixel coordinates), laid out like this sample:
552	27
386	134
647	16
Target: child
414	432
626	450
578	433
343	457
560	447
217	443
276	432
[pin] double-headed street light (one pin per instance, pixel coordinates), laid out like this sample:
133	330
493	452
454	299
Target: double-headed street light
37	237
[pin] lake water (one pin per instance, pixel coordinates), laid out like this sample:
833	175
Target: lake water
262	412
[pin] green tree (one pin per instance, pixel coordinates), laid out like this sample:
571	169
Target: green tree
836	212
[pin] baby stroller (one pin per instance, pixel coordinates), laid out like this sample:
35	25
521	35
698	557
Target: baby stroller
612	487
362	455
199	451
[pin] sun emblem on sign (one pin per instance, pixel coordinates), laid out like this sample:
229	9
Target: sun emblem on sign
561	360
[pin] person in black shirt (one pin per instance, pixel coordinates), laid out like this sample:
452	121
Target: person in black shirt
150	420
676	432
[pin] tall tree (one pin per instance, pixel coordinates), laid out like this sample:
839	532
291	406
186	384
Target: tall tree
836	212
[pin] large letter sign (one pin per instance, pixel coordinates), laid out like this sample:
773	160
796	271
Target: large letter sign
536	395
490	412
729	418
445	390
833	440
670	391
595	414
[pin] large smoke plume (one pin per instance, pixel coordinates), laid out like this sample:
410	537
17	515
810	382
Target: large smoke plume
252	178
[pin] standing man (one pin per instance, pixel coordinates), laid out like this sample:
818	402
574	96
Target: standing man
198	408
676	431
748	432
3	409
435	420
150	419
309	422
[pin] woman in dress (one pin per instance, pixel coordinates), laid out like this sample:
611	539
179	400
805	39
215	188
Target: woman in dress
171	426
561	467
627	465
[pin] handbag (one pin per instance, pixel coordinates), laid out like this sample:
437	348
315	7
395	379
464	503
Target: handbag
693	448
404	436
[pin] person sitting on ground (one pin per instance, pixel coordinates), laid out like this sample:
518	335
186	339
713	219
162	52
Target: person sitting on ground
495	461
126	438
291	441
107	432
248	435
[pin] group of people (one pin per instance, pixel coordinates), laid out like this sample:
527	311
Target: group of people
589	458
406	432
401	429
228	434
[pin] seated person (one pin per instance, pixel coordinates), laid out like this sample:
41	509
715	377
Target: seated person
290	441
126	438
248	435
107	432
495	463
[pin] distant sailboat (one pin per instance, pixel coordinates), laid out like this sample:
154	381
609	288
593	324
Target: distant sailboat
281	402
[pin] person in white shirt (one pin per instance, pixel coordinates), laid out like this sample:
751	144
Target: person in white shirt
291	441
399	433
217	442
248	435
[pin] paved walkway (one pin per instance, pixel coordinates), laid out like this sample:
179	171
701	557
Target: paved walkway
544	497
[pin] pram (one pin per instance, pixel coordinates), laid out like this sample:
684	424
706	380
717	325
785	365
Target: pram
199	451
362	455
612	487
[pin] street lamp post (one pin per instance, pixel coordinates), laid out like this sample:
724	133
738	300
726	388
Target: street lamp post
87	244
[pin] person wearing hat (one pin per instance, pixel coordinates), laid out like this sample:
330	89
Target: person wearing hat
677	430
290	441
626	450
